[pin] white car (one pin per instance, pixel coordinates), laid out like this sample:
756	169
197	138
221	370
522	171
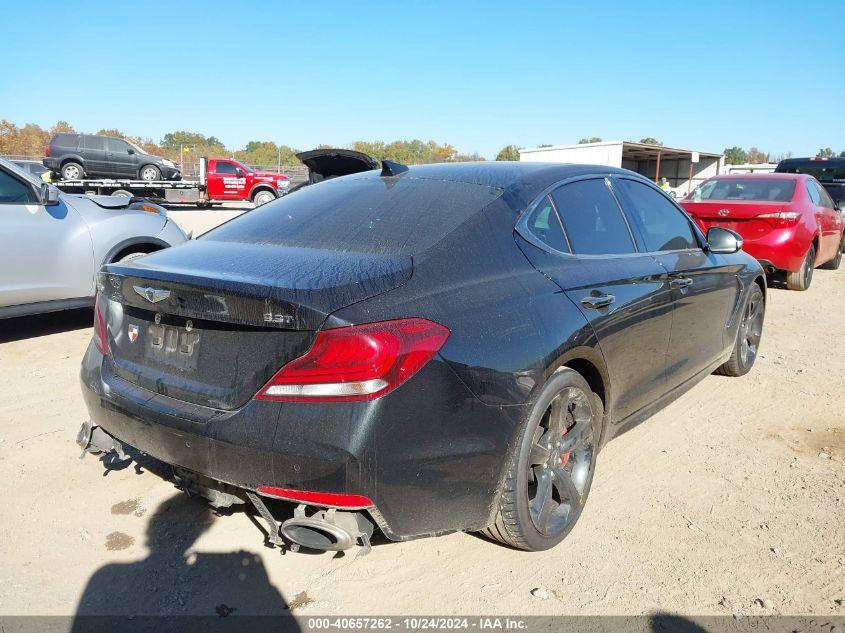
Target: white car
54	243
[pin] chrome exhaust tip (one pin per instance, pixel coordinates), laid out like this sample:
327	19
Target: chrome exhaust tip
328	530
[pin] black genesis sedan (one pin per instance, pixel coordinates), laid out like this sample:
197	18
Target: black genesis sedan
432	349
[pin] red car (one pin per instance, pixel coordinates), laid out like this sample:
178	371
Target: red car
787	221
229	179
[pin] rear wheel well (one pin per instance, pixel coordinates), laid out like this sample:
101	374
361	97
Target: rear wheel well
144	248
761	281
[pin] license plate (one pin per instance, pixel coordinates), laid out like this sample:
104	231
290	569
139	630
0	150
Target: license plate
172	345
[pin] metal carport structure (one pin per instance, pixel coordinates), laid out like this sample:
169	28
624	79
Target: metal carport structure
683	169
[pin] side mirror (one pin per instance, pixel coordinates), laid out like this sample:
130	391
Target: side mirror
130	151
49	195
239	172
723	241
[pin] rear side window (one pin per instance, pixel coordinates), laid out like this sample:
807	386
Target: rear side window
592	220
70	141
95	143
824	200
13	191
116	145
370	214
662	226
225	168
545	225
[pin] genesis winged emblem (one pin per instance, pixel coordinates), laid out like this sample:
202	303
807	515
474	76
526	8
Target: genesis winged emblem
153	295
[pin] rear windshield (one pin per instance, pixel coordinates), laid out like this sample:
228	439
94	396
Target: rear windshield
400	215
819	169
768	189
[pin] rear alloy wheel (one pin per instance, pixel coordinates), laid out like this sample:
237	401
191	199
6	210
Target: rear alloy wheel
263	197
801	279
72	171
121	193
748	336
150	173
552	469
834	263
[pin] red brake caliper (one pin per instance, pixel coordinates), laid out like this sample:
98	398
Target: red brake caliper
565	457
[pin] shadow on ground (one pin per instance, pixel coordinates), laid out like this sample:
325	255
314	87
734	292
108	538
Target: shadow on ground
174	580
26	327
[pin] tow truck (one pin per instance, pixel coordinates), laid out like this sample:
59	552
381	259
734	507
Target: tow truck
220	180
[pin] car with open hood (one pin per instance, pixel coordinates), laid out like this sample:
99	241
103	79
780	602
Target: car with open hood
328	163
54	243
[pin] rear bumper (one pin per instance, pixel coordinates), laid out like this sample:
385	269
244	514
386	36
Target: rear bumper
782	248
429	454
50	163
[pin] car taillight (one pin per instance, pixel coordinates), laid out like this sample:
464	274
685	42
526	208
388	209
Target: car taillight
47	151
781	218
360	362
101	341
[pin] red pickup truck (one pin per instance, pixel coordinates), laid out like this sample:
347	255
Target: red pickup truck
228	179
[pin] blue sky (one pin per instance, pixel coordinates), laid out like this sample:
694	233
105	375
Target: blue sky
479	75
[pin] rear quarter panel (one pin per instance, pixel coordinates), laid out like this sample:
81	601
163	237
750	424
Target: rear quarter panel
111	227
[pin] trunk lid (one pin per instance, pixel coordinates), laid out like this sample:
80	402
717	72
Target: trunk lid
210	322
740	216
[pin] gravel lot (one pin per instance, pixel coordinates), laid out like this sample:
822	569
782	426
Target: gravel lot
732	500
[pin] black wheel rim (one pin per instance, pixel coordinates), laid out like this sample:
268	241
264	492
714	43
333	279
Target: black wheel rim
560	464
751	329
808	267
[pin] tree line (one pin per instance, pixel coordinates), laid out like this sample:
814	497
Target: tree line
31	139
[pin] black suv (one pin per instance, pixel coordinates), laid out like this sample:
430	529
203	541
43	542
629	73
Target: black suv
75	156
830	172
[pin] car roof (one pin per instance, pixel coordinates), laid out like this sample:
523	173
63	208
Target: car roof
520	181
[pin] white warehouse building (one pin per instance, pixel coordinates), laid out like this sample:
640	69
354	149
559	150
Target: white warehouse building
683	169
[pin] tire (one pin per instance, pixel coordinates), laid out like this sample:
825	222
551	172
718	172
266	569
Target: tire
834	263
150	173
748	335
802	278
263	197
130	256
548	482
72	171
121	193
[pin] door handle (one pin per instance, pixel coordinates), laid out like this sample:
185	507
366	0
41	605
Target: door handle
680	282
597	302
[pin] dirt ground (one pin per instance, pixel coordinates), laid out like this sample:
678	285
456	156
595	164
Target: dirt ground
730	501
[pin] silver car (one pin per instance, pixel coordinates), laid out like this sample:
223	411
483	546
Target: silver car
52	244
